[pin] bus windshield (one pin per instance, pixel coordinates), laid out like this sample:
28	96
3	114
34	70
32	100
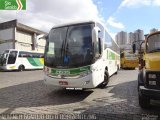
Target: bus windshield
130	56
153	43
12	57
3	58
69	47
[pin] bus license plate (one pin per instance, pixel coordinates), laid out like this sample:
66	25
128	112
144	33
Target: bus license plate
63	82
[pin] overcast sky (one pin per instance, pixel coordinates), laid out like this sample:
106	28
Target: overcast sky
117	15
43	14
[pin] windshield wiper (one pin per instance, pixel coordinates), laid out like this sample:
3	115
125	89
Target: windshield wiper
155	50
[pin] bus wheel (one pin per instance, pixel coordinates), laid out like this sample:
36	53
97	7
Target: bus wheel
144	101
21	68
117	70
106	80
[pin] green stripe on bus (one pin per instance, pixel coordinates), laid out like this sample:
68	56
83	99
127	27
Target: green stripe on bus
32	62
37	61
111	55
74	71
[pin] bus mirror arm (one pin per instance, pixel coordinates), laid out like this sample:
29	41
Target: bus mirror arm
97	56
42	37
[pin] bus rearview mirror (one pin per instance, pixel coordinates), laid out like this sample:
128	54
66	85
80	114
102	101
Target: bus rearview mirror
100	46
5	56
134	48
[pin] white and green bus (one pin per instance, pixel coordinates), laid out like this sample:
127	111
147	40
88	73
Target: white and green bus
80	55
13	59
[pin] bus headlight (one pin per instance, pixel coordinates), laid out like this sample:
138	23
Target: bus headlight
152	76
94	68
85	73
152	83
47	70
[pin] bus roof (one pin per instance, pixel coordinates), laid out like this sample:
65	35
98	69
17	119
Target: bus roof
75	22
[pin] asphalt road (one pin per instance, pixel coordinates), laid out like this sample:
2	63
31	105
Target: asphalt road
25	93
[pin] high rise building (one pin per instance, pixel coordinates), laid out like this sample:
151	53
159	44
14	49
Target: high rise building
116	39
131	37
139	36
121	38
153	30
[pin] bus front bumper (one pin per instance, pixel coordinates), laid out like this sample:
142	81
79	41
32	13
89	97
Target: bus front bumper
151	93
83	82
6	67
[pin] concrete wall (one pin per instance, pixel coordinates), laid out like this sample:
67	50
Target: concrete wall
23	40
23	46
41	45
4	46
6	35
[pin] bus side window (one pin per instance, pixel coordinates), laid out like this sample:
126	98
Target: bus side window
108	40
100	38
105	45
27	54
42	56
37	55
30	55
20	54
34	55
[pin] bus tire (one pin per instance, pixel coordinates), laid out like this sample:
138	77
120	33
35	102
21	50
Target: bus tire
117	70
106	80
21	68
144	101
